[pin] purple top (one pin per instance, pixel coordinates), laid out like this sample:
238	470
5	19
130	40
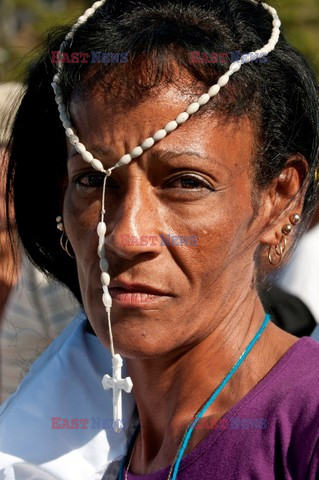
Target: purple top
271	433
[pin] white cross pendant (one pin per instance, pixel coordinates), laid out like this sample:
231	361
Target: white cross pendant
118	384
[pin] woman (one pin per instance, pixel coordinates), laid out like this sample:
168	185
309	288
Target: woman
237	176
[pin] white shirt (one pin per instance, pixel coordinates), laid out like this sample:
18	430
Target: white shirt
64	383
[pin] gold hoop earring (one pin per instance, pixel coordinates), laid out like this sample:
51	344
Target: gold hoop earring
278	254
65	245
281	248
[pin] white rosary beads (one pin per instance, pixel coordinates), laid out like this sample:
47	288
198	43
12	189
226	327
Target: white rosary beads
116	382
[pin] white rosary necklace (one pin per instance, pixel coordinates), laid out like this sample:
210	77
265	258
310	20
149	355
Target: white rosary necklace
116	382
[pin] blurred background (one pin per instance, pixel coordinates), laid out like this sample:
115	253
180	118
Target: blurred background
23	24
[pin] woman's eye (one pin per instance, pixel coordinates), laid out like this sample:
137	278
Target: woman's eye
190	182
92	180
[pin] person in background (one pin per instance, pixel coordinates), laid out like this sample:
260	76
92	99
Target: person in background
33	309
287	311
8	270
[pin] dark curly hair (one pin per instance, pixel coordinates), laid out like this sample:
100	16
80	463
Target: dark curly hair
279	95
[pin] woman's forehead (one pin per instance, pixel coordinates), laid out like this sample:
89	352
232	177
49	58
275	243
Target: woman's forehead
108	132
124	87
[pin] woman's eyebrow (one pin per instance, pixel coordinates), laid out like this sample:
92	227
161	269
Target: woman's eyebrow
160	155
206	158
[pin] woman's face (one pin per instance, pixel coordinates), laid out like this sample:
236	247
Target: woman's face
194	187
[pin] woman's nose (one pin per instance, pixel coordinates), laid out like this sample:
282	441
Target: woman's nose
134	226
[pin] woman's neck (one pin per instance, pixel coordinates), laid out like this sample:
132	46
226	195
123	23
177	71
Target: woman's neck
170	390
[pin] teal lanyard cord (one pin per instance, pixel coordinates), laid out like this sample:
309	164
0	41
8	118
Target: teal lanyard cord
215	395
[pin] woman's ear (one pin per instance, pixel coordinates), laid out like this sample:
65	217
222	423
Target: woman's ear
282	199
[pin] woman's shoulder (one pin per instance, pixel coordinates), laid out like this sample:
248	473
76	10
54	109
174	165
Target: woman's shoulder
280	415
295	417
288	396
301	364
290	393
295	377
277	422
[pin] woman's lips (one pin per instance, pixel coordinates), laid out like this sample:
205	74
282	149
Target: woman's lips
135	297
